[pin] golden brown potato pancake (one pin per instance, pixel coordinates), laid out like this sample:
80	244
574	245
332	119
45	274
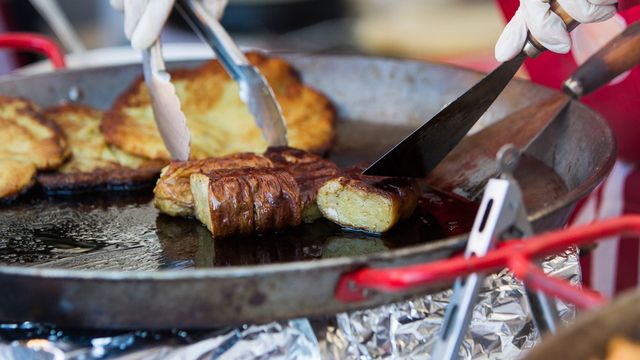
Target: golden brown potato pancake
28	142
218	120
93	162
28	137
173	189
370	203
16	178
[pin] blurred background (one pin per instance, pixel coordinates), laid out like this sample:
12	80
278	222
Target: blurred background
462	32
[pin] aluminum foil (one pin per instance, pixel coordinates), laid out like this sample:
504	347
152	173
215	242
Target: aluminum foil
294	339
501	326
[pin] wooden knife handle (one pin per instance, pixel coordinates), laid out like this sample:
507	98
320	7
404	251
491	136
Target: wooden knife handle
619	55
532	47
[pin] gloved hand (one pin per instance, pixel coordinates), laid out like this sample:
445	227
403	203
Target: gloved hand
547	27
144	19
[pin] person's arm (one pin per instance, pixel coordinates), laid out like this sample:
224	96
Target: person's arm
144	19
535	16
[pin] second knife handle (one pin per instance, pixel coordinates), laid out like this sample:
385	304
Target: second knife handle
619	55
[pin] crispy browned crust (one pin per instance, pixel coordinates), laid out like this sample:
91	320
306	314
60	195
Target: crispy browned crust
117	176
15	179
93	163
218	120
310	171
173	190
28	137
369	203
245	201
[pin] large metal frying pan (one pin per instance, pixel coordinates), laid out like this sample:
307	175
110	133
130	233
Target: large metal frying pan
379	101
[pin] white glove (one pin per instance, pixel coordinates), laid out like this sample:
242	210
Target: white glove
144	19
547	27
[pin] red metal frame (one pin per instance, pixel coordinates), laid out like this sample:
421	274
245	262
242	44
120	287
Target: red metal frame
34	42
516	255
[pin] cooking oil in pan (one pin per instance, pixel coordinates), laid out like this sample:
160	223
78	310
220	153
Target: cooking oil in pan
123	231
39	228
188	244
126	232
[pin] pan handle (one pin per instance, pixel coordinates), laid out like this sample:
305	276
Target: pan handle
34	42
356	286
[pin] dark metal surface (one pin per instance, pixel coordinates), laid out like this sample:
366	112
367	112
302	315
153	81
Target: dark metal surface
380	100
423	150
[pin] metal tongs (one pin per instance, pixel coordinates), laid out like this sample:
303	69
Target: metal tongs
502	216
172	124
254	89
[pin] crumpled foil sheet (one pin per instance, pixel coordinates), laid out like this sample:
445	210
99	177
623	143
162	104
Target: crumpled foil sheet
501	326
294	339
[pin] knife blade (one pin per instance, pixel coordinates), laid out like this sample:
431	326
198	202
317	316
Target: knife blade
466	170
172	124
254	89
419	153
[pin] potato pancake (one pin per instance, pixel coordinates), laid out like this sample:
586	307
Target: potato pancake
93	162
218	120
28	142
26	136
16	178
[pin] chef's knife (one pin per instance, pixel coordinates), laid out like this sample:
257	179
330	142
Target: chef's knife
469	166
421	151
254	89
170	119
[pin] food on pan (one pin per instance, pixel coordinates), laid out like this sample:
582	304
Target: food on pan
310	171
28	142
93	162
245	201
173	190
16	178
218	120
369	203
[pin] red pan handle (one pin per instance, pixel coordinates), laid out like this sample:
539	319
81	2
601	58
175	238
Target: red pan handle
536	279
34	42
354	285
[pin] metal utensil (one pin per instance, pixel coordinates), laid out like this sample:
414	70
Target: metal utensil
421	151
254	89
466	170
170	119
54	16
501	216
468	167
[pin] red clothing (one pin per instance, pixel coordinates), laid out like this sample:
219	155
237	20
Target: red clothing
627	4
